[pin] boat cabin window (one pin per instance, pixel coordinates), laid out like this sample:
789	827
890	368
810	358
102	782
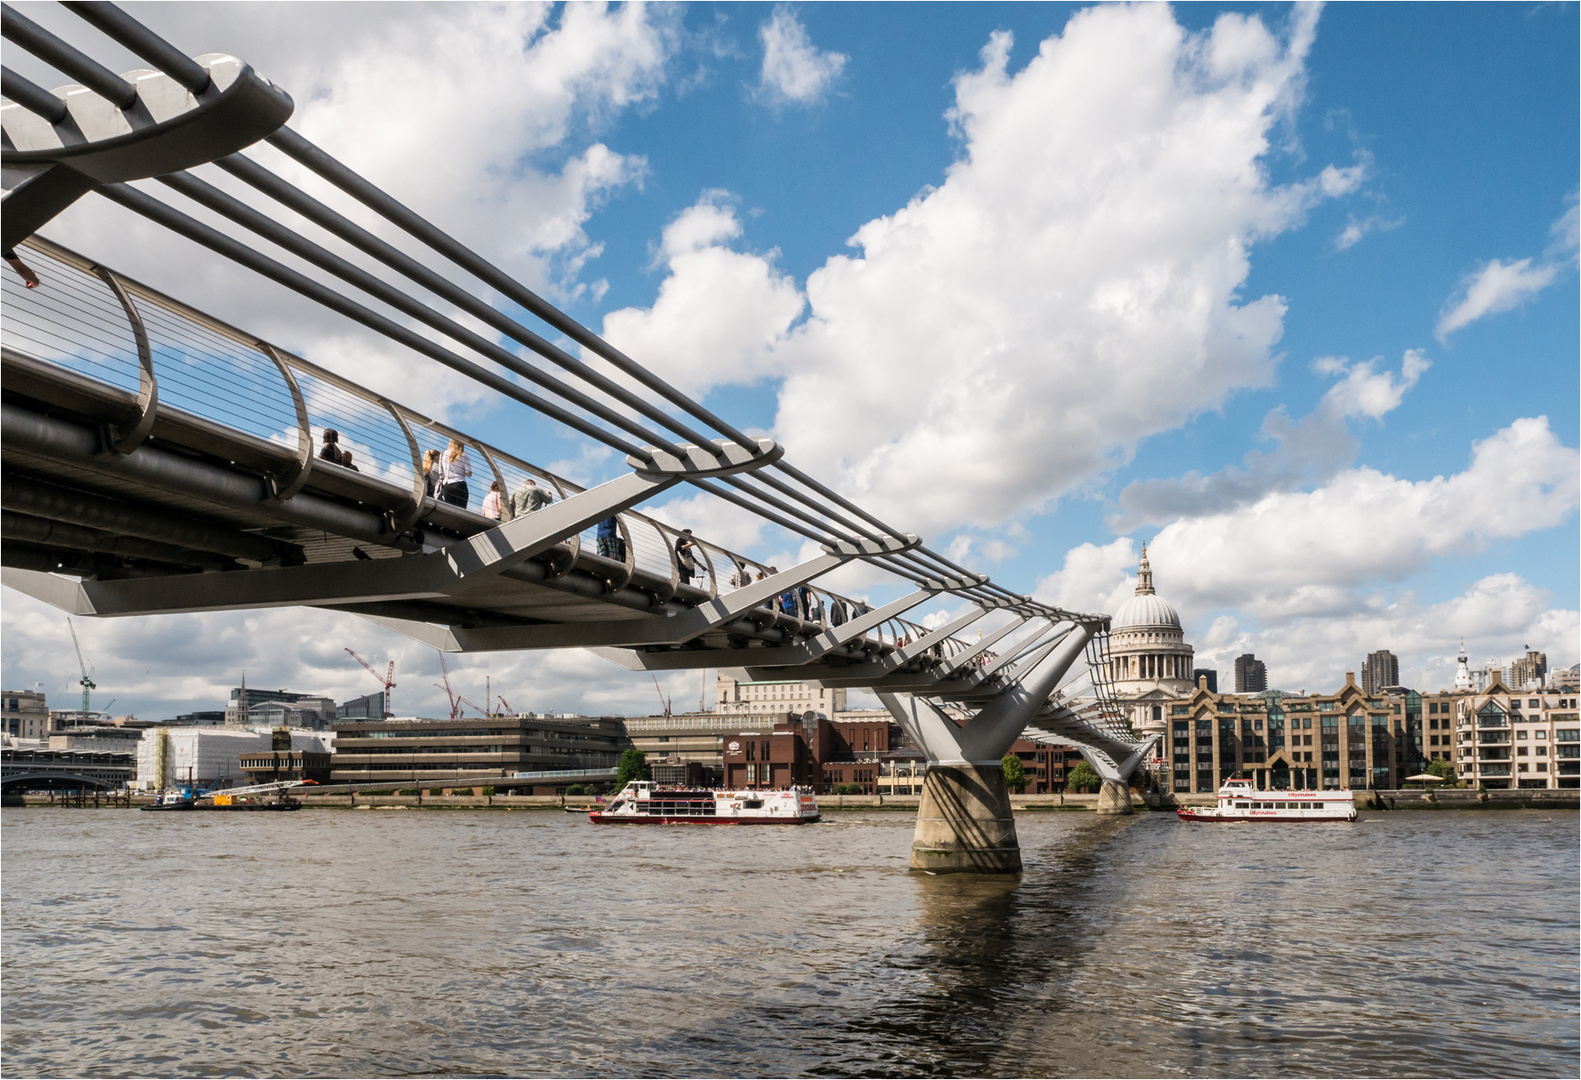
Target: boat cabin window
752	804
1242	806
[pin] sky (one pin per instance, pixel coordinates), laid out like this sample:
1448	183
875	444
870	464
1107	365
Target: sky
1288	294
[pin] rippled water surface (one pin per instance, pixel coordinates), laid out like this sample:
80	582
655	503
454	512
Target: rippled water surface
354	943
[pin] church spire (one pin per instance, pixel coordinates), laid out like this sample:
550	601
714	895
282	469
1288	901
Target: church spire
1144	576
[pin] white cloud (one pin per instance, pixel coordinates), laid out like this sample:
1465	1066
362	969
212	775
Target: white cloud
718	310
1308	451
1500	616
1499	286
1070	288
1293	554
1356	229
794	69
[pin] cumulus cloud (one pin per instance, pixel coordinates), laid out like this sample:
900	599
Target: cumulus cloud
1310	450
1498	285
1070	288
718	309
1304	553
794	69
1499	616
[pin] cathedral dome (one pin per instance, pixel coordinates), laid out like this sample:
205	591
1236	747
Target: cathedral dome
1146	608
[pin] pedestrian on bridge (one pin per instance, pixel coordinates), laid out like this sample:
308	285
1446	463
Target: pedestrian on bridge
491	501
456	470
529	498
331	449
431	473
685	558
610	544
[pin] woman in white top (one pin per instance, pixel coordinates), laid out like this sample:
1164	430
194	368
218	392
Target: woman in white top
455	471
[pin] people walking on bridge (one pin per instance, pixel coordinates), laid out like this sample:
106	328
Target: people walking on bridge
491	501
345	461
742	576
836	611
457	469
431	472
685	557
529	497
330	451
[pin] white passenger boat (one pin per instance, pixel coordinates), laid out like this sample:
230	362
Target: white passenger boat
1239	801
643	803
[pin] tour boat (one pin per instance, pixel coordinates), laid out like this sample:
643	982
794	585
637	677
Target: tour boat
1239	801
642	803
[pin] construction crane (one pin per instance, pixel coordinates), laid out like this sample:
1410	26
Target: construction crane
505	707
662	699
471	705
387	681
455	699
88	685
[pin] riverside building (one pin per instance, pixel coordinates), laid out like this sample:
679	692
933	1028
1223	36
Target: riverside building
1349	739
1508	738
472	749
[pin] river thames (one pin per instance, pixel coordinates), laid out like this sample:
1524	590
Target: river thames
455	943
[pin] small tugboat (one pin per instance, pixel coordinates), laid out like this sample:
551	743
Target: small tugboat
1240	801
642	803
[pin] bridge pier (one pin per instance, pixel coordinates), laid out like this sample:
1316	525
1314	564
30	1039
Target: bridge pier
1114	797
964	823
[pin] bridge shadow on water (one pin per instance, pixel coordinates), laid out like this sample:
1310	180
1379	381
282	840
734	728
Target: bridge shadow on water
952	993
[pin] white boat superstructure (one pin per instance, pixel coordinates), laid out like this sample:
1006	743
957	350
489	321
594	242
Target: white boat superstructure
641	802
1240	801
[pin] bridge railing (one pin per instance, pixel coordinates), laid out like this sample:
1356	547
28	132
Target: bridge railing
114	330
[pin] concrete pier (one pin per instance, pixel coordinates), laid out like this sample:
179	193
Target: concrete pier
1114	798
965	822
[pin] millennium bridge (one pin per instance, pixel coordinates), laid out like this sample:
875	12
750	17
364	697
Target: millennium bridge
157	459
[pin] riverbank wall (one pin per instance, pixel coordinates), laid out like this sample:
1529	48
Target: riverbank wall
1453	799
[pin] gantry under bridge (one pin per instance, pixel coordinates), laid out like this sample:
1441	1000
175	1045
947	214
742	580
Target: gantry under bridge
157	459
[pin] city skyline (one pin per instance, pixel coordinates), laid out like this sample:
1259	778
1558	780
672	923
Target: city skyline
1331	364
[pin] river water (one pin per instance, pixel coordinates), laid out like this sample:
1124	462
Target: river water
387	943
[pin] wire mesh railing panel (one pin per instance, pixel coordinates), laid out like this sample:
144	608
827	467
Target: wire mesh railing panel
72	319
652	551
363	428
212	375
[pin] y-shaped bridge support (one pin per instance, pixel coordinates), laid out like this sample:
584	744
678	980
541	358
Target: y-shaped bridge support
965	822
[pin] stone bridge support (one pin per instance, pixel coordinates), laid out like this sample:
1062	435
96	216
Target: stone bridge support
965	823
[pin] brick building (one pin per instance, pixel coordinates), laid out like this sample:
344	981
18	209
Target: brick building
812	752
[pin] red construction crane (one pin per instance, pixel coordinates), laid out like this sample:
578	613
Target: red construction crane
505	707
662	699
455	699
387	681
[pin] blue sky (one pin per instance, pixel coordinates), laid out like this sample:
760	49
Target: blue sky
1371	200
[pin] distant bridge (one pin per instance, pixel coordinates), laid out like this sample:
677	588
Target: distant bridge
64	770
157	459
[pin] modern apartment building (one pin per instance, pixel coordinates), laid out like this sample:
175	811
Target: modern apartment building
1507	738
